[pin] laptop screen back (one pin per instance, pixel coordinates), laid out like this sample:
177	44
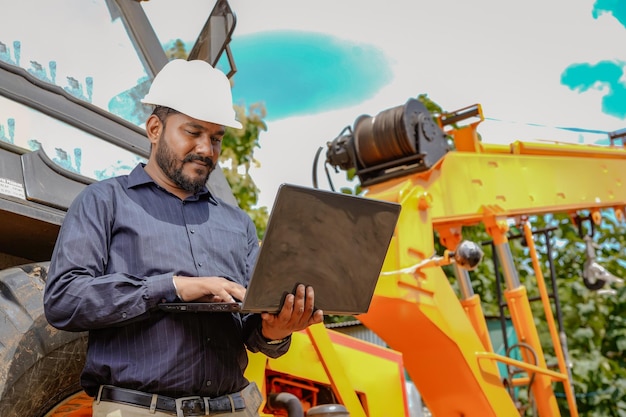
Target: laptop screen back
334	242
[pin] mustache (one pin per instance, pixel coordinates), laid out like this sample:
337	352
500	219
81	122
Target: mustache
193	157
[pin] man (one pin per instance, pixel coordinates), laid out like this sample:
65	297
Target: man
158	235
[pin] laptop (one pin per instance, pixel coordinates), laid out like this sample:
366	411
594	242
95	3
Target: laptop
332	241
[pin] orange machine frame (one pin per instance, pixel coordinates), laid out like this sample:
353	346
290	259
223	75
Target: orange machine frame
444	340
442	337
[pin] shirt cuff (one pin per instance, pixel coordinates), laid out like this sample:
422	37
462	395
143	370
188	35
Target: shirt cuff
274	342
160	288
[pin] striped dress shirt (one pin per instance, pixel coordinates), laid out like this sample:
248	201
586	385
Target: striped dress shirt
120	244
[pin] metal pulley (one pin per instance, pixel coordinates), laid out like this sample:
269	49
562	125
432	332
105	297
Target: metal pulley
397	141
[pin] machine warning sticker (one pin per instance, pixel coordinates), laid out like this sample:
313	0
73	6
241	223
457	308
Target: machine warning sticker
12	188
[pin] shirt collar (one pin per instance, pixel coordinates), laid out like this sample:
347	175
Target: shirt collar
138	176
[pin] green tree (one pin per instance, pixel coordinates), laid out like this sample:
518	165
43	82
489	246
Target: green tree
238	157
176	50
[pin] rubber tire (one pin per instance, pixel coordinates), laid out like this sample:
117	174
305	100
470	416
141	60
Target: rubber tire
40	366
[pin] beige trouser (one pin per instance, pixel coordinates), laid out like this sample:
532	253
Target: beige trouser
110	409
107	409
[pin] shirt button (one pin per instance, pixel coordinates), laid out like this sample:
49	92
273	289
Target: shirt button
208	383
200	264
123	315
192	231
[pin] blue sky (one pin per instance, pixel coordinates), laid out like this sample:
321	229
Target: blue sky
541	70
606	75
298	73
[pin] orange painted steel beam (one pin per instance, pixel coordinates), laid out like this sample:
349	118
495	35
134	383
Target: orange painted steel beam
547	308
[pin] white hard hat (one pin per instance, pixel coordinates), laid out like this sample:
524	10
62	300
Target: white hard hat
196	89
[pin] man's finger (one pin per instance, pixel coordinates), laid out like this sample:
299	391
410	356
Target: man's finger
310	298
286	313
301	306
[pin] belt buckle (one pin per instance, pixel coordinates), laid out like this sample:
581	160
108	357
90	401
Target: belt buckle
181	408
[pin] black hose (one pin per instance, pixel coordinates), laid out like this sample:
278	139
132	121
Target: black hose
317	156
286	401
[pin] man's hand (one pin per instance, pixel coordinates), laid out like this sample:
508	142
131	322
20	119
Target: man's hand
208	289
297	314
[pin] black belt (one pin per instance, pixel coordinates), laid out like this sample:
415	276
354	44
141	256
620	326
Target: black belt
186	406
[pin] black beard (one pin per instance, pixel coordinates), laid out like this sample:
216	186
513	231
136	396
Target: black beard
166	160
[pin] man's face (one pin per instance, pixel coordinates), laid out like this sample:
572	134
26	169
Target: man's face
188	150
